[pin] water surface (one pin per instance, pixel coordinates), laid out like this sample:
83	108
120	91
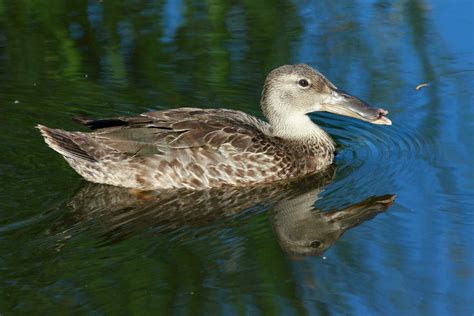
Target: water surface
388	230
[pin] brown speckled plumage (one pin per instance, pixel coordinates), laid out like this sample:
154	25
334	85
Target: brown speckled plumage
202	148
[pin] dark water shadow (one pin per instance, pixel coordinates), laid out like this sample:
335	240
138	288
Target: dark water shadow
300	228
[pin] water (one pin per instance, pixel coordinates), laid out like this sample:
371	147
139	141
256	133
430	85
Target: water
388	231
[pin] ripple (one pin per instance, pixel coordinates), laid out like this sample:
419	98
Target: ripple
371	157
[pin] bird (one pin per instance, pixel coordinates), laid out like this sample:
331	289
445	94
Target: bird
201	148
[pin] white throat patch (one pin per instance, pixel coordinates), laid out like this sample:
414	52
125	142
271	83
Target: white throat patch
297	126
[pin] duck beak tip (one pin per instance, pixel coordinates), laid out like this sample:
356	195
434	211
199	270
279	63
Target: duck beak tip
382	120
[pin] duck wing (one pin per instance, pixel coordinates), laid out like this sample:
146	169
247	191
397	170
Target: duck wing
185	128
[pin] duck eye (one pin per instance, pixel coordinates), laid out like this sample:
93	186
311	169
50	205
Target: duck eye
303	82
315	244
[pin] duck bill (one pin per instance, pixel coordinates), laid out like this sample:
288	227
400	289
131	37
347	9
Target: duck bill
345	104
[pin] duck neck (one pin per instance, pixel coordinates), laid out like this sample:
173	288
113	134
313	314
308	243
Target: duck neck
293	125
300	129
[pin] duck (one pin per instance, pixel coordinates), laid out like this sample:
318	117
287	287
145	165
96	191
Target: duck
201	148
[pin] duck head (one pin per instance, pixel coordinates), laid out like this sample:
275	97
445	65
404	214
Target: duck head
293	91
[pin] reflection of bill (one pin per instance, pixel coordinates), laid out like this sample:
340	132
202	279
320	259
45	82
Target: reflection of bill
123	213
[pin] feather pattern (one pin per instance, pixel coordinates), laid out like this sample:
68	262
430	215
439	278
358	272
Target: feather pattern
182	148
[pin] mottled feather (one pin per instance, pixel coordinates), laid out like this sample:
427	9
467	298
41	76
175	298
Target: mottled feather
187	147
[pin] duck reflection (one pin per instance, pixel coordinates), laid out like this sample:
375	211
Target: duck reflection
299	227
304	230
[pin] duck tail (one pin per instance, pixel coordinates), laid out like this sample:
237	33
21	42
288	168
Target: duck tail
68	144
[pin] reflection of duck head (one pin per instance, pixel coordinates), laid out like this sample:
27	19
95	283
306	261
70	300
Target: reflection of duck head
123	213
302	229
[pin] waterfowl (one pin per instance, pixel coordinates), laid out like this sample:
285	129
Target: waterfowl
202	148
